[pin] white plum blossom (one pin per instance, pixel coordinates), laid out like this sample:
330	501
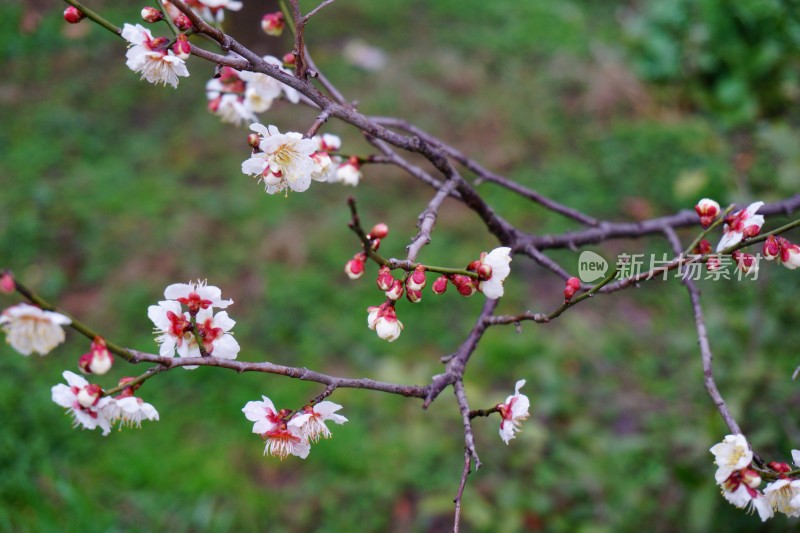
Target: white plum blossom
784	496
281	440
284	160
30	329
209	10
383	320
83	401
214	330
327	142
311	421
513	411
498	260
129	411
348	173
196	295
744	223
172	328
750	499
268	88
151	57
731	455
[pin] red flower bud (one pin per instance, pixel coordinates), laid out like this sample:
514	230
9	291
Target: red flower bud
7	285
273	23
440	285
385	279
379	231
396	290
182	48
73	15
703	247
416	281
573	285
151	14
182	22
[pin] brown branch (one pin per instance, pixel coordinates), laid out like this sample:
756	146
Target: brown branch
470	454
427	219
702	338
317	9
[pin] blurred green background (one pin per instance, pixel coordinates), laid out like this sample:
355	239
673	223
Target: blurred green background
112	189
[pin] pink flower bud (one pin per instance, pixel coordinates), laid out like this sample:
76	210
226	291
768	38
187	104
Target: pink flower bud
708	210
288	59
376	243
73	15
747	263
416	281
253	140
89	395
703	247
396	290
98	361
751	231
751	478
151	14
182	48
440	285
128	390
7	285
273	23
573	285
772	248
413	295
465	285
484	271
379	231
182	22
385	279
355	267
781	468
790	254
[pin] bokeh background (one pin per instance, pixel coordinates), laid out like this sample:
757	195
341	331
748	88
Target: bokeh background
111	189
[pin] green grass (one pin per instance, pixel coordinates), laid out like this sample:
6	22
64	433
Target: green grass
113	189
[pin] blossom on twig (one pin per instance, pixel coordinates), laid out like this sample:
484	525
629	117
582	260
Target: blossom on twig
30	329
513	411
84	401
151	57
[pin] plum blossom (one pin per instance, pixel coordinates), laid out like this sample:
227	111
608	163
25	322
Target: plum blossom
731	455
348	173
311	420
786	253
498	261
172	327
84	402
513	411
214	330
30	329
98	360
741	224
151	57
784	496
283	162
129	411
744	496
196	295
209	10
281	440
708	210
273	23
383	320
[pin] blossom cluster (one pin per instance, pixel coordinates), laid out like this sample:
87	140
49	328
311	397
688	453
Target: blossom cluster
236	97
490	270
739	480
196	331
291	433
91	408
285	161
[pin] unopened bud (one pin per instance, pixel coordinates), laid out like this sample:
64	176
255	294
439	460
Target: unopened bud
573	285
790	254
703	247
182	48
98	361
484	271
182	22
747	263
375	244
771	248
751	231
385	279
355	267
751	478
7	285
89	395
416	281
273	23
413	296
440	285
151	14
128	390
289	59
379	231
708	210
713	263
73	15
396	290
465	285
779	467
254	140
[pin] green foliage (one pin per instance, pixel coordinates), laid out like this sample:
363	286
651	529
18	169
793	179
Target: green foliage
737	59
113	188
